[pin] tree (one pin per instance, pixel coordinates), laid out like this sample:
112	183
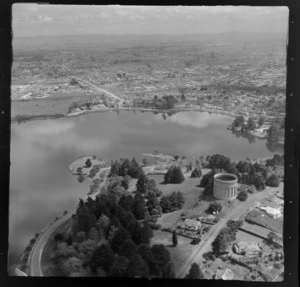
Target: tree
147	233
274	134
273	237
214	207
144	250
261	120
88	163
174	175
135	231
119	267
138	267
196	172
207	178
174	238
243	195
86	250
239	122
103	257
234	225
103	223
124	168
220	244
120	236
128	249
251	124
72	265
152	201
194	272
94	234
141	184
114	169
138	207
172	202
219	161
272	180
145	161
126	202
161	261
84	218
135	171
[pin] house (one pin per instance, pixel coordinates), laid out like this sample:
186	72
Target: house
273	212
192	224
224	274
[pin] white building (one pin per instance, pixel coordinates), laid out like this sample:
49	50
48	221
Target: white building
192	224
273	212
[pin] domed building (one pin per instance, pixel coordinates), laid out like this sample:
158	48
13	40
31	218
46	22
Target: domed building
225	186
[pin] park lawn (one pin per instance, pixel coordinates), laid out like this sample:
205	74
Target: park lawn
180	253
244	236
260	218
49	268
189	188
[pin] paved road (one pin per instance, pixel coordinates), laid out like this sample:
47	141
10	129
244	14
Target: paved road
36	253
98	89
205	244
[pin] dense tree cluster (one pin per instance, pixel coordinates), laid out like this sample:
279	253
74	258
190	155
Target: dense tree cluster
245	125
207	182
110	237
272	180
172	202
218	161
227	234
125	167
243	195
274	133
277	160
145	186
214	207
174	175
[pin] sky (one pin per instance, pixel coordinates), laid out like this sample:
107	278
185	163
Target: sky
41	19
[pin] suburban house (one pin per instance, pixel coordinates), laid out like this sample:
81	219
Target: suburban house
192	224
273	212
224	274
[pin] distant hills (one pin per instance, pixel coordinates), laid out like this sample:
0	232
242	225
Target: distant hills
92	40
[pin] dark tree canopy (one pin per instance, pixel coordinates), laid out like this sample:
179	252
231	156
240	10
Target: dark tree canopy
172	202
174	175
194	272
272	180
128	249
196	172
138	267
119	267
174	238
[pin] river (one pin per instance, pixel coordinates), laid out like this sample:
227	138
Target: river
41	186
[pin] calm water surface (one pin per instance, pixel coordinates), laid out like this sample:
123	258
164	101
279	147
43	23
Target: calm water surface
42	187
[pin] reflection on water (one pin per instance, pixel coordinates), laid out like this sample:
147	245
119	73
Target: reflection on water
41	185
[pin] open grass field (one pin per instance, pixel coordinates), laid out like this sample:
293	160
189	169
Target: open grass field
244	236
180	253
56	104
48	266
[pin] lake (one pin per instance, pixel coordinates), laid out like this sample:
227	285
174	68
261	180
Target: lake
42	187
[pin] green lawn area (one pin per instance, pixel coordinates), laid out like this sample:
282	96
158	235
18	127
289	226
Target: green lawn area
48	266
189	189
180	253
260	218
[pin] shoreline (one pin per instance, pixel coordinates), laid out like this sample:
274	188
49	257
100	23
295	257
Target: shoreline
24	118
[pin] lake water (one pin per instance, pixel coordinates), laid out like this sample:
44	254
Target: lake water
42	187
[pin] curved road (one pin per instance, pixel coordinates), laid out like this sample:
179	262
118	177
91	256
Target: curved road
205	244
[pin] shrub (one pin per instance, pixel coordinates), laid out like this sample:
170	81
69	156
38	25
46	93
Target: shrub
172	202
242	196
272	180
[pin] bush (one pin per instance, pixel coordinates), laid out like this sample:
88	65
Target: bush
214	207
196	173
174	175
172	202
272	180
242	196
